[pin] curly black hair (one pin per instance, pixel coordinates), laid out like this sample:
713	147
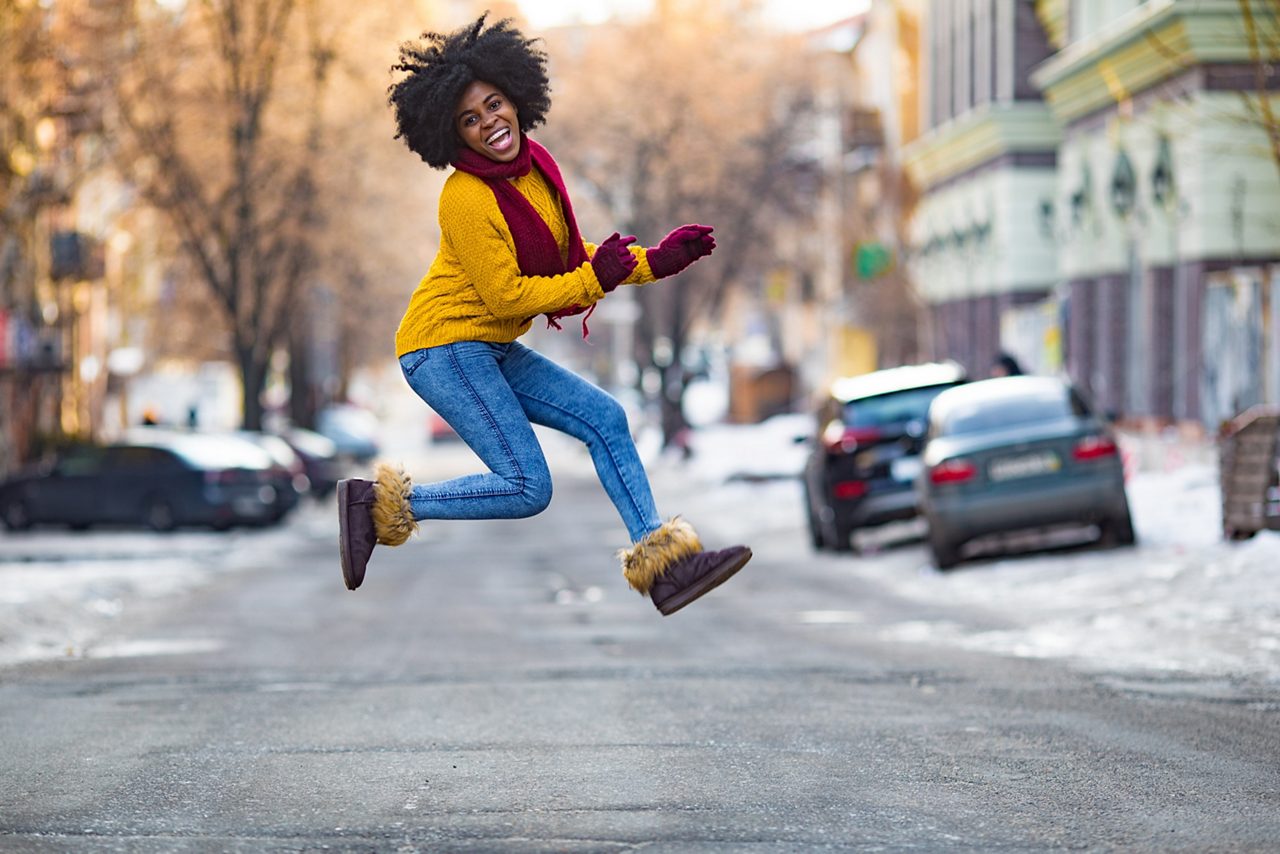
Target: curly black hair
439	67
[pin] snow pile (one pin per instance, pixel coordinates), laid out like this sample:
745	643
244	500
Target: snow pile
53	608
60	592
1182	600
725	453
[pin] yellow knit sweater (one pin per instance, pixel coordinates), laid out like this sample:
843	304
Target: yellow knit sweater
474	290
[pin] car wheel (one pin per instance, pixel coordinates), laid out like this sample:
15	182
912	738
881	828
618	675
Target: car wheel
158	515
1118	531
817	537
945	555
843	540
16	515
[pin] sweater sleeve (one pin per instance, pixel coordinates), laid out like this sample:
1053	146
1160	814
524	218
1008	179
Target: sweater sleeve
472	225
641	275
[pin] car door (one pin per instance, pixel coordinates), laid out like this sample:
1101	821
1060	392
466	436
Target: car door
67	494
136	474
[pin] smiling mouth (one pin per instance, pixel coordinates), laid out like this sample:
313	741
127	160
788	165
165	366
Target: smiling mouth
499	139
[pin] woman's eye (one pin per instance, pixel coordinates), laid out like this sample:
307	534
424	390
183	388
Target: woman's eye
495	104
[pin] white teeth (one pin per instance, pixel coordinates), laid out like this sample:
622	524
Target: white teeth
497	135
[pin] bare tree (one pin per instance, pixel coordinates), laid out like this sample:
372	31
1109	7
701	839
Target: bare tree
686	116
220	108
1261	20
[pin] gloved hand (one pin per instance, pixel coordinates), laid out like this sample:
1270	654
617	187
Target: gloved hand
613	261
681	248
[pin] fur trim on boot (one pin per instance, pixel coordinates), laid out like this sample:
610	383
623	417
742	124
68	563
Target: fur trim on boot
647	561
392	515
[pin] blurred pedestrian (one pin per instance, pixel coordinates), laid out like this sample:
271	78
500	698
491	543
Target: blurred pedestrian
510	250
1005	366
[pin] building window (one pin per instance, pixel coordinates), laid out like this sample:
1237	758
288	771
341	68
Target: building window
1124	186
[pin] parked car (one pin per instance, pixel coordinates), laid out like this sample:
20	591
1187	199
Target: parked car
288	472
862	469
1018	453
154	478
319	457
354	431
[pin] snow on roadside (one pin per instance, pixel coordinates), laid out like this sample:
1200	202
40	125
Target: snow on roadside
53	608
1183	600
60	592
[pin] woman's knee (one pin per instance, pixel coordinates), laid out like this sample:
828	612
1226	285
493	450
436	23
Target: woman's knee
534	495
610	418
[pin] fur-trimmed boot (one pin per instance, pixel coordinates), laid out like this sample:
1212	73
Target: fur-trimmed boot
372	512
670	567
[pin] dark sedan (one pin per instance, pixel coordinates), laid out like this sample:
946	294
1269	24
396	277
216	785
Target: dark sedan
1015	454
863	466
161	482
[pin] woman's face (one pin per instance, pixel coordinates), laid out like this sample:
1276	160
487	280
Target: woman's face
486	121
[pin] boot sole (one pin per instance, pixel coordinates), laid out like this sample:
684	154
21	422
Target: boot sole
342	537
705	585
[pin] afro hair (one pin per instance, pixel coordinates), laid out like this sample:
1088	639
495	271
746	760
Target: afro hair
439	67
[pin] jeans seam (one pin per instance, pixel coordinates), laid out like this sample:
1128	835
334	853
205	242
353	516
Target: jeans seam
635	505
492	422
417	363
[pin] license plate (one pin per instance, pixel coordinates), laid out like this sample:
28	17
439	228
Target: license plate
1026	465
248	506
905	469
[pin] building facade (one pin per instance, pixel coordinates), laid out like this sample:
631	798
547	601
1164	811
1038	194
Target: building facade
1167	205
982	258
1100	198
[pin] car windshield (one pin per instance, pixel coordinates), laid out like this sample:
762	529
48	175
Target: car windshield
997	413
895	408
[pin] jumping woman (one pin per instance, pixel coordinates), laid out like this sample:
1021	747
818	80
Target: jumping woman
510	250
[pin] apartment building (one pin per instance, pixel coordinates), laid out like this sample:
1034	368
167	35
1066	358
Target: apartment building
1100	197
1167	204
982	257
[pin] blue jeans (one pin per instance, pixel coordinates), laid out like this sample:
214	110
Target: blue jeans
491	394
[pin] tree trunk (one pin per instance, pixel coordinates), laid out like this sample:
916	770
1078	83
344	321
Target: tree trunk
674	381
674	425
302	388
253	379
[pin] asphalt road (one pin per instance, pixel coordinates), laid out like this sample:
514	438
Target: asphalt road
494	686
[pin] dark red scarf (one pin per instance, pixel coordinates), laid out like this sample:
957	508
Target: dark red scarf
537	252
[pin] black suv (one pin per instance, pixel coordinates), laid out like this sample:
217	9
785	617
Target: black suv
866	455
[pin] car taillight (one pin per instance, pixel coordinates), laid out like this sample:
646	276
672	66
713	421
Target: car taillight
952	471
837	437
1094	447
849	489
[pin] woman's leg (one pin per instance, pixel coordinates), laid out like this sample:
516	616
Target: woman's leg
464	383
560	399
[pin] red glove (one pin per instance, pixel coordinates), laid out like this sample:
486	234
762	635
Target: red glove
613	261
680	248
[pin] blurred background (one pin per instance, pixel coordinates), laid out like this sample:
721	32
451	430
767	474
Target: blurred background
208	236
205	222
